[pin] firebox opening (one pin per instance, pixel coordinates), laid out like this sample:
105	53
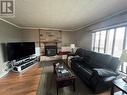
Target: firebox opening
50	50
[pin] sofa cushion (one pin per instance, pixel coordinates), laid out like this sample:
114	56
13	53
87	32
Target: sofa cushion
88	57
109	79
104	72
114	64
100	60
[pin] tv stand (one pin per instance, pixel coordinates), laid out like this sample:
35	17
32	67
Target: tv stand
23	64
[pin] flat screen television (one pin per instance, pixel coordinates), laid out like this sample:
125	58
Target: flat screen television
16	51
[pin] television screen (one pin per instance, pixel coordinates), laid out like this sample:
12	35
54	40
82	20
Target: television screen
17	51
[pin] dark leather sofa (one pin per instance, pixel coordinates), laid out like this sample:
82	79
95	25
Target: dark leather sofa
95	69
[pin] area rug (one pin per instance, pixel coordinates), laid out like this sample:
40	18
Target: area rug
47	85
49	63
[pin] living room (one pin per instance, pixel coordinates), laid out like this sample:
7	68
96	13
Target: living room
59	37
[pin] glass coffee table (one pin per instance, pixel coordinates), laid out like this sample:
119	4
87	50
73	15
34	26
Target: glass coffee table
64	76
120	84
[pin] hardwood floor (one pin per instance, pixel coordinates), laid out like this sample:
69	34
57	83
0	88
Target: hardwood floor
25	83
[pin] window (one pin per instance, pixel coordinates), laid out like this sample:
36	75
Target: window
111	41
119	39
93	41
102	41
96	47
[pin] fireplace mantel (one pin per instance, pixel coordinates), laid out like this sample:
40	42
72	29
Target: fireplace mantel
51	42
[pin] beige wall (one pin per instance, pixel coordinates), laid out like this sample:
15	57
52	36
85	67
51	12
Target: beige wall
84	39
68	38
2	63
8	33
30	35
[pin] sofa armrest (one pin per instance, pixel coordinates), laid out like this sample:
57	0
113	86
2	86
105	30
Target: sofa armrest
79	59
104	72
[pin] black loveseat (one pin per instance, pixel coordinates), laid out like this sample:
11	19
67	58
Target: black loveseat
95	69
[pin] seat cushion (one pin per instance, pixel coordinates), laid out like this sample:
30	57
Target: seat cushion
109	79
88	57
104	72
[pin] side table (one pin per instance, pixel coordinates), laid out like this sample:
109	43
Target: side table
69	55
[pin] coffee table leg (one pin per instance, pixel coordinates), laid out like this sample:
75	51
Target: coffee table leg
54	65
112	90
57	90
73	84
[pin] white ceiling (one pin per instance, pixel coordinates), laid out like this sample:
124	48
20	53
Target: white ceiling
63	14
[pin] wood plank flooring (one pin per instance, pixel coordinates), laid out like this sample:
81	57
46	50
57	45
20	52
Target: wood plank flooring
25	83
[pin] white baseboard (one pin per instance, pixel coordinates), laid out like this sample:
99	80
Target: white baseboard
3	73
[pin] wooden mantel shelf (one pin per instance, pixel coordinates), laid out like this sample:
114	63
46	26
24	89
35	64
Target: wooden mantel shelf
50	41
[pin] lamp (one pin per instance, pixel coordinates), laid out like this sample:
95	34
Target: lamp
123	58
72	47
